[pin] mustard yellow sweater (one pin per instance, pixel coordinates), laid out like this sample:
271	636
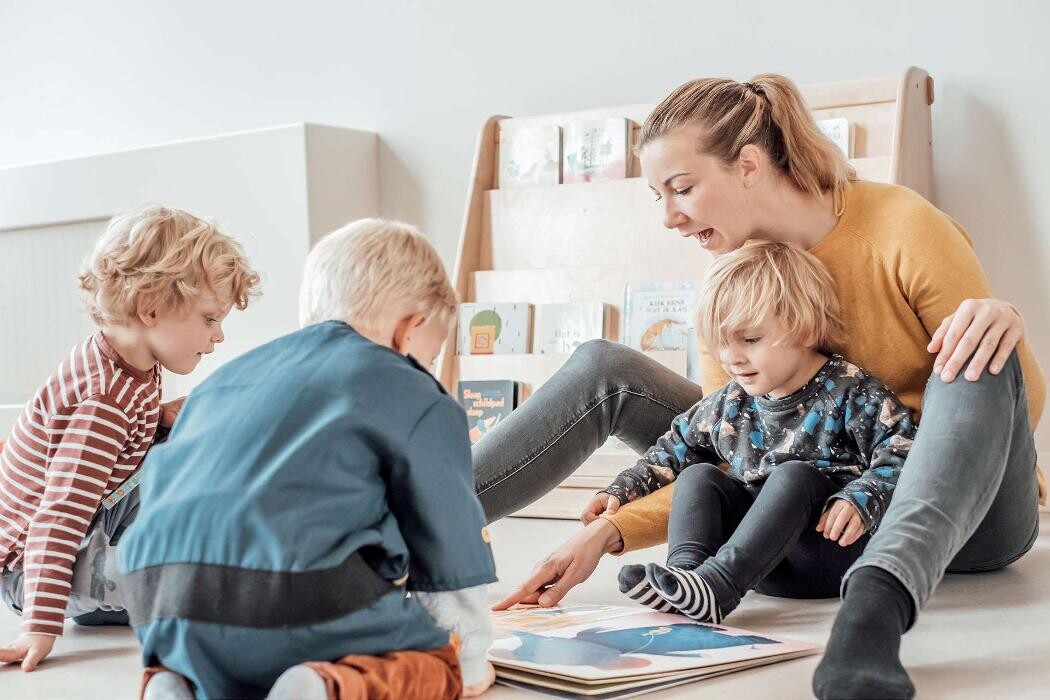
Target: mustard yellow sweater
900	266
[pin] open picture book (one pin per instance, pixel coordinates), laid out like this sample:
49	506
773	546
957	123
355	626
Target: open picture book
608	651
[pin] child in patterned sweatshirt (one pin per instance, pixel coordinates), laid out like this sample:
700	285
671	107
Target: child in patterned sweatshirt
800	450
159	284
310	529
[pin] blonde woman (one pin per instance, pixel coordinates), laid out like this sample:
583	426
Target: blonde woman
731	162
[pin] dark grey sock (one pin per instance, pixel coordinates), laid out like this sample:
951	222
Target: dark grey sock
634	585
862	659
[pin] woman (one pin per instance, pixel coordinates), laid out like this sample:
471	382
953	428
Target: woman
735	161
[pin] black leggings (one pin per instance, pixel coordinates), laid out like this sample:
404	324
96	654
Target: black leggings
762	537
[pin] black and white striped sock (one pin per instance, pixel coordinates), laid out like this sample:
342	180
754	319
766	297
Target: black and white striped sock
635	586
686	591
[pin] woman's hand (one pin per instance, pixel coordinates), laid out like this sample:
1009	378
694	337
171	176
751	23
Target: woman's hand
568	565
987	329
841	523
601	503
29	649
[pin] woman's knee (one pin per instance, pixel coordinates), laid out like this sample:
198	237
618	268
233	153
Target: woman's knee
602	353
1010	375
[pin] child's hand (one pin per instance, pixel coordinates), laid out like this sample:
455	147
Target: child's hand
841	523
170	411
30	649
601	503
472	691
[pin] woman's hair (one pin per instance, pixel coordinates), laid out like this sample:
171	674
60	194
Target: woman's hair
372	273
770	279
159	259
767	111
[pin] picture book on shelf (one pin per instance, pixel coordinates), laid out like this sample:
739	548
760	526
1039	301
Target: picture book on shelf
840	131
561	328
487	402
494	329
659	316
596	149
608	651
529	156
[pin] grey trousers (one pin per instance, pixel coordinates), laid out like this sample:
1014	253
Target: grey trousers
95	573
966	500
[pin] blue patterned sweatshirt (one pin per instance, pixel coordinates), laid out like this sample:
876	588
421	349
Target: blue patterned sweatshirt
845	421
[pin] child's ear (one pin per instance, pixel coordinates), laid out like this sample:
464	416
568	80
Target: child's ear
148	317
403	330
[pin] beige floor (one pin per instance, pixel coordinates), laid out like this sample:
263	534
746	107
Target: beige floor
983	636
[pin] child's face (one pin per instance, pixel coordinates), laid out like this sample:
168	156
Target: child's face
424	342
763	362
700	197
179	339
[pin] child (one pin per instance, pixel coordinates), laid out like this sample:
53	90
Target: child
805	435
159	284
316	503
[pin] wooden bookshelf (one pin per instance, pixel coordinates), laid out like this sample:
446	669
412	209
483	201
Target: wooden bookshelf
586	241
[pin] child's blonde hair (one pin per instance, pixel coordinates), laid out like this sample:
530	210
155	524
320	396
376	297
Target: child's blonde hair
770	279
767	111
158	259
372	273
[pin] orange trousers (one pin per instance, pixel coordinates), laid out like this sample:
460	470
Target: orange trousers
419	675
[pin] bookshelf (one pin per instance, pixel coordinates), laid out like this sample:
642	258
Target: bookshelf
586	241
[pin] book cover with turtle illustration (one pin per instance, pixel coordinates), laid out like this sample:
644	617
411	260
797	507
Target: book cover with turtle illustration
494	329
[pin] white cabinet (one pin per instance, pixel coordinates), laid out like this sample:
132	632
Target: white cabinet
276	190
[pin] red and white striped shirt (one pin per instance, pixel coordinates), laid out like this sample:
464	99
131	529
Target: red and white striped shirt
83	433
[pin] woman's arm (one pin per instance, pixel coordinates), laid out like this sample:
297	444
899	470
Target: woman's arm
568	565
944	282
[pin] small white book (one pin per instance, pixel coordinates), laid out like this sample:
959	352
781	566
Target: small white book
529	156
840	131
494	329
596	149
561	328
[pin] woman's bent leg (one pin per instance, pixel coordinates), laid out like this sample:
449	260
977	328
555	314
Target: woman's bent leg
604	389
967	495
968	488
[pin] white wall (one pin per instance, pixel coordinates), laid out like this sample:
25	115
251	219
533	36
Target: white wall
81	78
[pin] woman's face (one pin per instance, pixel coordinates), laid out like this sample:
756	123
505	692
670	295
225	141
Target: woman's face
701	197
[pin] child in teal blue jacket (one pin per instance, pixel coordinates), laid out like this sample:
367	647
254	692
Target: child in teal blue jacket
316	497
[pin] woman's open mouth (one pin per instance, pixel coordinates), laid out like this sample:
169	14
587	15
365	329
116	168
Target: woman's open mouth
705	235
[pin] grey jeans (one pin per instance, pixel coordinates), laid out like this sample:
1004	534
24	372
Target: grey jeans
95	573
966	500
